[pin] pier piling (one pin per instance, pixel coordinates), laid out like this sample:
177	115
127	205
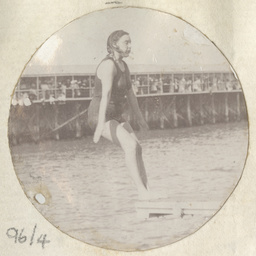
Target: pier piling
226	107
43	120
189	111
213	112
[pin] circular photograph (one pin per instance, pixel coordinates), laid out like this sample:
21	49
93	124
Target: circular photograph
128	129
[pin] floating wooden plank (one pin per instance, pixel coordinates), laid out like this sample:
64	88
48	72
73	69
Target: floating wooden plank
151	209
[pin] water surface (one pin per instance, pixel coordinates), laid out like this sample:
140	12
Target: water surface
91	196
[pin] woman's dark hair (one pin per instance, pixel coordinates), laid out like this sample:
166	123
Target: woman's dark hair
113	38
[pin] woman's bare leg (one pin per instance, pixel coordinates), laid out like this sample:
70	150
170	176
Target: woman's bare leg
116	133
139	158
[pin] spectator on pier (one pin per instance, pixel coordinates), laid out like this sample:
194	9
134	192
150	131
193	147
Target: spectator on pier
79	92
24	100
153	86
63	88
166	84
221	85
33	92
59	84
176	85
62	97
15	99
62	91
171	86
45	90
182	85
51	99
75	88
205	83
214	84
150	81
229	86
144	80
137	84
160	86
51	87
58	89
166	80
189	86
134	87
197	85
20	100
84	88
68	83
236	85
24	88
85	84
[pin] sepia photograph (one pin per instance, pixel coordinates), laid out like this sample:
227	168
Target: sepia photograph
128	129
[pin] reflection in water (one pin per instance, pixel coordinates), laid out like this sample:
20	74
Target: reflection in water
91	195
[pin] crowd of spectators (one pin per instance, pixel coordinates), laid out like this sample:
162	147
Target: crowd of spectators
182	84
53	89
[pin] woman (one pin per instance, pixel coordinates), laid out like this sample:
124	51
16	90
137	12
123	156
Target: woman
112	90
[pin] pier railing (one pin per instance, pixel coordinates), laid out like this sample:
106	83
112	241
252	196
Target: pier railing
79	94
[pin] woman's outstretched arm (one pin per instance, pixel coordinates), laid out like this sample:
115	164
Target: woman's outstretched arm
106	72
132	100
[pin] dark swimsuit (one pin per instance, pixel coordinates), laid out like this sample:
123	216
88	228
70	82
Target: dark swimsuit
117	102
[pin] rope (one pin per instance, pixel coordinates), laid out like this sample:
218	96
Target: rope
65	123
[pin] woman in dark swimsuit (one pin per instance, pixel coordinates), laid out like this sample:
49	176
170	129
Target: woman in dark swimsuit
111	92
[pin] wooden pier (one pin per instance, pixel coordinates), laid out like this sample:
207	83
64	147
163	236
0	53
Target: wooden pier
51	102
60	119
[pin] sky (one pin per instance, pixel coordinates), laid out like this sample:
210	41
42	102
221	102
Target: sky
157	38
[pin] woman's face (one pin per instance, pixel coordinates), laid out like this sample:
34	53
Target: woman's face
124	45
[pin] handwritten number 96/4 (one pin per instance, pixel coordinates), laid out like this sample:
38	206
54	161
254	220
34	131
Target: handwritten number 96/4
19	237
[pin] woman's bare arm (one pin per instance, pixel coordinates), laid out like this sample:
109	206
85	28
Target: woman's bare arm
106	72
